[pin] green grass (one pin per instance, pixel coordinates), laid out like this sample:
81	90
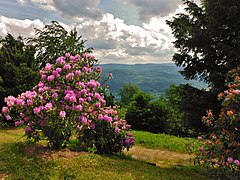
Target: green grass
164	141
19	160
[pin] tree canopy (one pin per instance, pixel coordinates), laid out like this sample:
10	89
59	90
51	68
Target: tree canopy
17	70
207	40
53	41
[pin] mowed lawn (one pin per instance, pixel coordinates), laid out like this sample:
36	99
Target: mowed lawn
19	160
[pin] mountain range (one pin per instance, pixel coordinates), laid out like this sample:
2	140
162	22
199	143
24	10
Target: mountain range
152	78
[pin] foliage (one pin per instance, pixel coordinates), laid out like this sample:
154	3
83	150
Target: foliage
222	145
69	100
17	70
54	41
127	91
207	39
142	114
187	105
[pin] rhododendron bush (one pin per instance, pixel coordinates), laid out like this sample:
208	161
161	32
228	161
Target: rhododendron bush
221	148
69	101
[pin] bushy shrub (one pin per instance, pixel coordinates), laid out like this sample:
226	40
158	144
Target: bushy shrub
221	147
142	114
69	100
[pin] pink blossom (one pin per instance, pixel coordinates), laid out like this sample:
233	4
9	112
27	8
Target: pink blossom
97	95
62	114
55	73
77	56
20	101
36	110
110	75
84	120
50	78
72	58
98	105
29	102
85	69
48	106
237	162
48	66
54	95
69	76
81	100
8	117
5	109
72	99
79	128
67	66
199	138
44	76
22	115
41	84
78	72
107	118
60	60
17	123
78	108
67	55
58	70
230	160
92	83
117	130
28	129
100	117
10	100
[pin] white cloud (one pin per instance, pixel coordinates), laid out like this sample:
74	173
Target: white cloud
18	27
113	40
134	43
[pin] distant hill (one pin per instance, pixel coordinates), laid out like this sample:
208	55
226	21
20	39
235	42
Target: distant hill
153	78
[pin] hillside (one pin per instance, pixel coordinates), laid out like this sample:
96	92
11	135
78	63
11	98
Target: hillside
153	78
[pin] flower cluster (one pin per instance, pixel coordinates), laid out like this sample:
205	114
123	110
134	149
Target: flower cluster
221	148
68	99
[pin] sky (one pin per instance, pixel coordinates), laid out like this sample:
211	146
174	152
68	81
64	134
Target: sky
120	31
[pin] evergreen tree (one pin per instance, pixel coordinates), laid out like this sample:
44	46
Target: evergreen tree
17	70
207	40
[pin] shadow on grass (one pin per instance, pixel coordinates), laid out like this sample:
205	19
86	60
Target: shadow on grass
23	161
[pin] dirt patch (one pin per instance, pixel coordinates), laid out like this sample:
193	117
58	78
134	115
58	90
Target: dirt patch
45	152
158	157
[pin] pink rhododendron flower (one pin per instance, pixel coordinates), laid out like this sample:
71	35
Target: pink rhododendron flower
69	76
48	106
36	110
230	160
5	109
67	66
51	78
237	162
54	95
8	117
62	114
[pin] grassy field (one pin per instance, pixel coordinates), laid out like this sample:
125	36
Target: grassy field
19	160
164	141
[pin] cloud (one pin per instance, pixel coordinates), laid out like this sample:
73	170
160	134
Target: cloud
18	27
69	9
153	8
113	40
116	41
78	8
